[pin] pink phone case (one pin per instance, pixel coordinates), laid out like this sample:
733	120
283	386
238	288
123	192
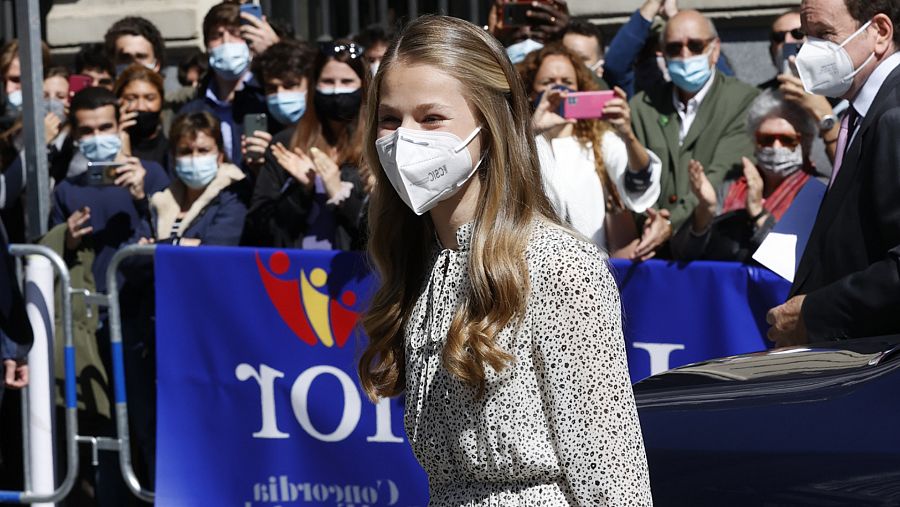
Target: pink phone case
586	105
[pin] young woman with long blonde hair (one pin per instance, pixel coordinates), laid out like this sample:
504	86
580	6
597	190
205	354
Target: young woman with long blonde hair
502	328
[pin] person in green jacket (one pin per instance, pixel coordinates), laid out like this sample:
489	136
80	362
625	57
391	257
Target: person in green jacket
697	118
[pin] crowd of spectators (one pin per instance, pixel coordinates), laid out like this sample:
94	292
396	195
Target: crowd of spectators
261	145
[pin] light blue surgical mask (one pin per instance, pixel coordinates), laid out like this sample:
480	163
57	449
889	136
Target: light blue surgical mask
100	148
197	172
15	99
690	74
230	60
518	51
287	107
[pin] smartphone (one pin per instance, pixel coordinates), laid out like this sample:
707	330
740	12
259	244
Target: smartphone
78	82
790	49
515	14
101	174
586	105
254	122
254	9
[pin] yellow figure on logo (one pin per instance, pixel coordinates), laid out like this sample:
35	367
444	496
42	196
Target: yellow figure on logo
316	304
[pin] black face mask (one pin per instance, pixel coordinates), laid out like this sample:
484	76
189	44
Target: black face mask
147	124
338	106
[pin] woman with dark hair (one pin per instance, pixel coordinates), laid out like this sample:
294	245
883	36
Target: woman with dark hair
206	203
141	93
308	194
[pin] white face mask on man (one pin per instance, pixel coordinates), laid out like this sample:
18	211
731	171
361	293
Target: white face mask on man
826	68
426	167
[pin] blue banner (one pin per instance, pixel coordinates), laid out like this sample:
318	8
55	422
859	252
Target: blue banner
258	398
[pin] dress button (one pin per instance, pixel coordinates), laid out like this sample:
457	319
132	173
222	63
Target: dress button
673	199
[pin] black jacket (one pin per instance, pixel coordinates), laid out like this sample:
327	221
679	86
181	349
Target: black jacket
280	207
15	330
850	270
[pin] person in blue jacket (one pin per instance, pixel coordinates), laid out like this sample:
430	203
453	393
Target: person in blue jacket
207	202
105	211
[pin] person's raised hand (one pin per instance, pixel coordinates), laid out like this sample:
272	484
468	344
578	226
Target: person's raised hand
792	88
657	230
618	113
253	147
15	375
545	116
328	170
787	323
258	33
131	177
702	187
52	124
754	188
549	19
77	227
297	163
669	9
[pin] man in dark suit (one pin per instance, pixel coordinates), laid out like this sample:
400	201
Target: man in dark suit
848	281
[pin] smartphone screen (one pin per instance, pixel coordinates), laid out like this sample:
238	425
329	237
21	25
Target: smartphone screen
515	14
586	105
101	174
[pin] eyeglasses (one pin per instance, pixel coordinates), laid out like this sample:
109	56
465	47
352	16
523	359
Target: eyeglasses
355	51
695	46
778	37
767	140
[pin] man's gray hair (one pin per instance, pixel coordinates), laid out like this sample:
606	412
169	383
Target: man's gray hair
772	104
713	33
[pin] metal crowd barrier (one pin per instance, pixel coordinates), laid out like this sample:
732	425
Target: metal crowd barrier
24	497
122	444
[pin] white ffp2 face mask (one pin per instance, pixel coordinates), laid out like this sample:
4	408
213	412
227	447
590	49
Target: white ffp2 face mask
826	68
426	167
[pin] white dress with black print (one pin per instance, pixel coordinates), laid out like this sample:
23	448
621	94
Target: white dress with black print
559	426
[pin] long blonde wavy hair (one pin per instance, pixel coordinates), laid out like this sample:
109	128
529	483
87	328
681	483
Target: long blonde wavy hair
511	197
586	131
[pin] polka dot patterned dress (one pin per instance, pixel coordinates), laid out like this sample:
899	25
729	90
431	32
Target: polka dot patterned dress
559	426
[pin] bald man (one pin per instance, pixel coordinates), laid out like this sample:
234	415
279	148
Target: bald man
700	115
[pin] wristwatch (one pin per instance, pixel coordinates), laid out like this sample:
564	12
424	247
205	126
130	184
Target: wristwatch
827	123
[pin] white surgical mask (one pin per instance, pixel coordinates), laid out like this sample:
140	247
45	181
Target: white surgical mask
197	172
780	160
426	167
826	68
518	51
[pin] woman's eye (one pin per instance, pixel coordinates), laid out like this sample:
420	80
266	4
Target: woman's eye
433	119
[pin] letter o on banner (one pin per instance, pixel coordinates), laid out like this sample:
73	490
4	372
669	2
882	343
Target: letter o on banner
352	403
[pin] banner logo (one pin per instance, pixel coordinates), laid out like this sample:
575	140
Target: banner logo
306	303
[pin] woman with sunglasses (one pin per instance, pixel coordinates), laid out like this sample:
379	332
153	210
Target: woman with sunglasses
730	222
309	194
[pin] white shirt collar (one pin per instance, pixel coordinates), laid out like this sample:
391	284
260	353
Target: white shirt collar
866	95
694	102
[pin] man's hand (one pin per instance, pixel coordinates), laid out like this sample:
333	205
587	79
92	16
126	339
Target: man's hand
328	170
754	188
657	230
15	373
76	228
131	177
549	19
792	88
787	323
258	33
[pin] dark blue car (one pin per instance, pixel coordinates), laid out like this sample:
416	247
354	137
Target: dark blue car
816	426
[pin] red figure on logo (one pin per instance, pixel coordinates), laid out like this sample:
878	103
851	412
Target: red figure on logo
288	298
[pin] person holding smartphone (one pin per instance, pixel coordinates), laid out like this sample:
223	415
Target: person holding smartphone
500	326
595	169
